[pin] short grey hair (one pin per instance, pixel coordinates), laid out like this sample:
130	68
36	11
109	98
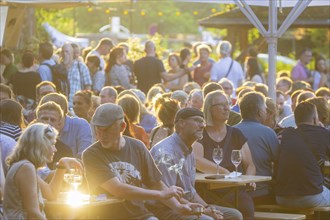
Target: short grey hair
250	103
224	48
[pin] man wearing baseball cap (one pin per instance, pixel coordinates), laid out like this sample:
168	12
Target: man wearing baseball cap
175	160
119	166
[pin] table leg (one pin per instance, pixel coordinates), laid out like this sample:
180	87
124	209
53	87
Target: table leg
236	197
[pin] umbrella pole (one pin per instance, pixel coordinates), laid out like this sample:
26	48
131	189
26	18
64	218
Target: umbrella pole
272	48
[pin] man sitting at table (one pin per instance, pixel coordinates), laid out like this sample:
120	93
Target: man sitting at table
262	141
122	167
176	161
299	180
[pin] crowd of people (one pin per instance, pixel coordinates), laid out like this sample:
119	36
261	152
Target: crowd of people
140	132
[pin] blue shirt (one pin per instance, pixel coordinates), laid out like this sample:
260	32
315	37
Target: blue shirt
45	71
7	145
76	134
264	147
177	164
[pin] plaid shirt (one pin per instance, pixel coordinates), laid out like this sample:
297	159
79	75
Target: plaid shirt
78	70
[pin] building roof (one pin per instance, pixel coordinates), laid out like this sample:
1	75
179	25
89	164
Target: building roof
312	17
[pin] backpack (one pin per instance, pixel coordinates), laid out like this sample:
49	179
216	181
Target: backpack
60	78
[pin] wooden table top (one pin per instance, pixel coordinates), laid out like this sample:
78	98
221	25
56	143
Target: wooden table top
229	182
84	201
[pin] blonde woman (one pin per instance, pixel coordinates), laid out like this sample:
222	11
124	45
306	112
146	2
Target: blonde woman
24	190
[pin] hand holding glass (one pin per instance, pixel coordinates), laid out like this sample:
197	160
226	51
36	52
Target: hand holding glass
217	157
74	178
236	158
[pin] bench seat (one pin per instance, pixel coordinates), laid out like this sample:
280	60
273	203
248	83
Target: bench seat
279	216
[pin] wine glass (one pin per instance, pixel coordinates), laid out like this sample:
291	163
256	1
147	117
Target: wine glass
217	157
73	178
236	158
68	177
76	179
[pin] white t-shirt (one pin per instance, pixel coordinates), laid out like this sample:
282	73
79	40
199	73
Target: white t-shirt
220	69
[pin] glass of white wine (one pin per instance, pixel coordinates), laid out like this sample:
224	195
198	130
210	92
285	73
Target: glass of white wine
73	178
217	157
236	158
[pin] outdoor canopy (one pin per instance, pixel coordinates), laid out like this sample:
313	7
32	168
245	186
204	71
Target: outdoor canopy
273	32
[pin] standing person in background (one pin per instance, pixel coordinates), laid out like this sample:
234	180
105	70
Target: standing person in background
45	58
253	71
129	63
7	59
78	73
174	64
77	52
185	57
227	67
24	82
319	74
118	74
300	70
152	69
98	77
201	73
102	49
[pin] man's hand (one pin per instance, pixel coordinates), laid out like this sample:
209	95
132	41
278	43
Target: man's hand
172	191
213	212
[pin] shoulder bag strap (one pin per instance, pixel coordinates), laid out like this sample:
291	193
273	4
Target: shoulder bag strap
231	65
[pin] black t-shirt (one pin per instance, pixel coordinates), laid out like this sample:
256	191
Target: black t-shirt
25	83
132	165
237	140
62	151
148	72
298	173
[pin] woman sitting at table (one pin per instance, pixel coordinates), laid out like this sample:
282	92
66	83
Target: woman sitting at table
24	189
217	134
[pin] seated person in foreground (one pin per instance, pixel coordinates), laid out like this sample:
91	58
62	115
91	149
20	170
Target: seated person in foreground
299	179
218	134
262	141
121	166
175	159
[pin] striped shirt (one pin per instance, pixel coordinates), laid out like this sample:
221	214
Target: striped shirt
10	130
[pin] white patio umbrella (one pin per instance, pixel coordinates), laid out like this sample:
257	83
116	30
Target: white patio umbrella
273	33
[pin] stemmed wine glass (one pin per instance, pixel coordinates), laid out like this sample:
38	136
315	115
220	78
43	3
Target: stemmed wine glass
217	157
74	178
236	158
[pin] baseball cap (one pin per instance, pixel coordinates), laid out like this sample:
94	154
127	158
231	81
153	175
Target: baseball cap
107	114
188	112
